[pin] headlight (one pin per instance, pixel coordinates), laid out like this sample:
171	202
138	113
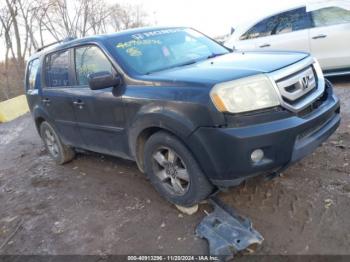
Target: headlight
247	94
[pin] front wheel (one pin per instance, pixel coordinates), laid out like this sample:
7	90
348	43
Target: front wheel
53	144
173	170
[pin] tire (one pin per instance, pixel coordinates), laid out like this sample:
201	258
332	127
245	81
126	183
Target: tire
53	144
169	164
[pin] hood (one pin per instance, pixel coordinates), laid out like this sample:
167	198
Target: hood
227	67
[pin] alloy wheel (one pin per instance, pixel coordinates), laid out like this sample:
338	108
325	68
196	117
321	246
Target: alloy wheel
51	142
171	171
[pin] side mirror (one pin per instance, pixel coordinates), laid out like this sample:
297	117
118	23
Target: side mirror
101	80
232	30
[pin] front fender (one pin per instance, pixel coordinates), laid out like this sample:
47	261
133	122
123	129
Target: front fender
172	121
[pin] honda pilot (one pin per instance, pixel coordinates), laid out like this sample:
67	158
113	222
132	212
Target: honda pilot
192	114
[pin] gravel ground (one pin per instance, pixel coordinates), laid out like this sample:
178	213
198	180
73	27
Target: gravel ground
103	205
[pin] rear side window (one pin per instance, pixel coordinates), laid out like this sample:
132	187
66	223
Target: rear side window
57	69
330	16
293	21
90	59
33	68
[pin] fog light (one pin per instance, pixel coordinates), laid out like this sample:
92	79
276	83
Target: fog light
257	155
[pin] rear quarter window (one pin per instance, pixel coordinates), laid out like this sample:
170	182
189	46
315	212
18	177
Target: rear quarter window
33	68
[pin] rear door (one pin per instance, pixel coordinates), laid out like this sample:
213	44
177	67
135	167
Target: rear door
99	113
57	96
330	37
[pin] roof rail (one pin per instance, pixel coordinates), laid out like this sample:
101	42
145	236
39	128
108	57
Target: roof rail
67	39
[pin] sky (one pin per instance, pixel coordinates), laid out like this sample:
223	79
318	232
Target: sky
212	17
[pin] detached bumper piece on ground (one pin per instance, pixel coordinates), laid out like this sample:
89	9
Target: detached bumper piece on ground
227	232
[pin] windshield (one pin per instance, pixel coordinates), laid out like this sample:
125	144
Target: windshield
153	51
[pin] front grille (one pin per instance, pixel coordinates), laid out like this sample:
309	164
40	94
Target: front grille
299	85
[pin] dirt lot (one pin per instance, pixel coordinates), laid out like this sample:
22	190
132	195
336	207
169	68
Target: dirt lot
104	205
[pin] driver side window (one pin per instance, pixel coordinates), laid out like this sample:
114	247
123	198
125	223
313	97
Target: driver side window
264	28
286	22
90	59
292	21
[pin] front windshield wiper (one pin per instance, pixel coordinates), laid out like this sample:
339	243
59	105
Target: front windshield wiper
190	62
215	55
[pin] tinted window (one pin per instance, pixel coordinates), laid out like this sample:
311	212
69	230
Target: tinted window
266	27
293	21
330	16
33	67
57	69
162	49
90	59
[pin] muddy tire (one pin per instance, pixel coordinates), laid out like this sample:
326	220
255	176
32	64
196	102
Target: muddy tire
53	144
174	172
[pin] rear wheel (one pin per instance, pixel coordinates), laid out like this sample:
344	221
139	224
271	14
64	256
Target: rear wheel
173	170
57	150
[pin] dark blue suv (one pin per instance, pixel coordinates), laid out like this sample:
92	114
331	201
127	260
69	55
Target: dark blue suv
194	115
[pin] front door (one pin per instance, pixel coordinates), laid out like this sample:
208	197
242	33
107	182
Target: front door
99	113
289	31
286	31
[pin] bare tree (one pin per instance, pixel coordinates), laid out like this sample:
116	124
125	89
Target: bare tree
13	12
6	24
127	16
27	24
29	10
97	19
89	17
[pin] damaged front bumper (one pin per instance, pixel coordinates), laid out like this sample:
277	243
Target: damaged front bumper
227	232
225	153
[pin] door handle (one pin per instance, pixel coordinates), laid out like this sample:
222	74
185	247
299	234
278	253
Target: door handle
265	45
79	104
46	101
319	36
